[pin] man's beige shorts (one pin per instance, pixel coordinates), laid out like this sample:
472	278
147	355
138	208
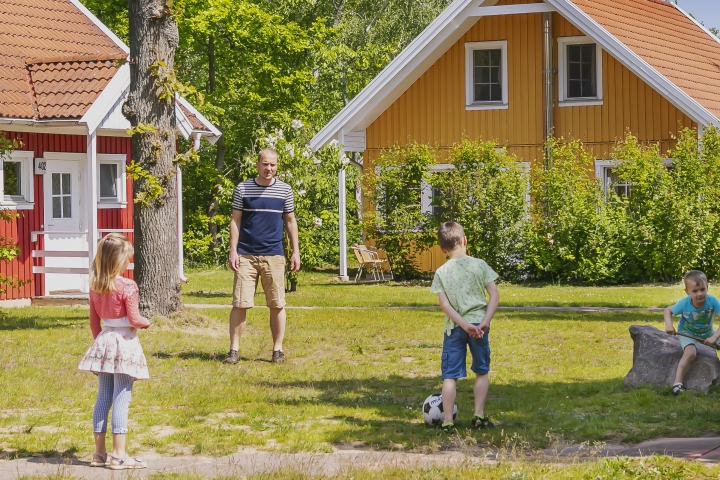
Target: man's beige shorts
271	270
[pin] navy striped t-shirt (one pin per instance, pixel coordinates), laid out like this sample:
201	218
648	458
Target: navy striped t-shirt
261	225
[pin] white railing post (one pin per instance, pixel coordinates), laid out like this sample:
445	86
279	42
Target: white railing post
342	223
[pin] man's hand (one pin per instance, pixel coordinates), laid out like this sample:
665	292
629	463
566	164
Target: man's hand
233	260
295	262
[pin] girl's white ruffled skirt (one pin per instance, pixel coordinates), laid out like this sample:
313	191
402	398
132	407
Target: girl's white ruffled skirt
116	350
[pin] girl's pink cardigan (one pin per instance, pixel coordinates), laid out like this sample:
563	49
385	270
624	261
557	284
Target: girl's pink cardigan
123	302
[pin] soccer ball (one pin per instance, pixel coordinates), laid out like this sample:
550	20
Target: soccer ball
433	410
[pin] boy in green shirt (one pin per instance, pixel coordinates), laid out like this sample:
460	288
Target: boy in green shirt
460	285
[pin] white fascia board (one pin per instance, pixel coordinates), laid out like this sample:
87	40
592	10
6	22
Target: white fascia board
182	122
402	71
30	126
702	27
635	63
101	25
207	123
108	98
512	9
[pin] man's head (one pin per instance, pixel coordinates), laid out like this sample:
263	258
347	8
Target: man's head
267	163
450	236
696	286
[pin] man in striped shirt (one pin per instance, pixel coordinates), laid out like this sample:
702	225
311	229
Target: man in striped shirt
260	206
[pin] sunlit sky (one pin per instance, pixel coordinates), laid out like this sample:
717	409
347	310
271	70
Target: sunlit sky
706	11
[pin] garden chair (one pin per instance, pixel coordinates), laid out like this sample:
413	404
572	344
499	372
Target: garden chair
371	257
382	255
367	260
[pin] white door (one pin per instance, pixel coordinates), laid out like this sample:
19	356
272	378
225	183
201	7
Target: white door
63	187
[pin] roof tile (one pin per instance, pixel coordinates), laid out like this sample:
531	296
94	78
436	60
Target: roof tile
50	49
667	40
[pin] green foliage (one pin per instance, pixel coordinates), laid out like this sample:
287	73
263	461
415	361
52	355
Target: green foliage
486	193
148	187
397	223
141	128
574	231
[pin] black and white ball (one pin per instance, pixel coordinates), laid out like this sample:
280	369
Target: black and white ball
433	410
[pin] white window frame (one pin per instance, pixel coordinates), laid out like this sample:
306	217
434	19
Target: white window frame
601	165
119	160
25	201
470	47
563	101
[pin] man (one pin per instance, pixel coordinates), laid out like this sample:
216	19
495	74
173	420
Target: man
260	205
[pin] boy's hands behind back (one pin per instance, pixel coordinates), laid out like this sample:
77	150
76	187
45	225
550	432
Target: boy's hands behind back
474	330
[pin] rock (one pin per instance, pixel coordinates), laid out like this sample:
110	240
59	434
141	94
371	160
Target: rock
655	358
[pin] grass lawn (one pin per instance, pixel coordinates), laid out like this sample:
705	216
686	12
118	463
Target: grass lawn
316	289
353	377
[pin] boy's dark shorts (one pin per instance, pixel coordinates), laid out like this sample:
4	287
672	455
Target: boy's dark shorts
455	349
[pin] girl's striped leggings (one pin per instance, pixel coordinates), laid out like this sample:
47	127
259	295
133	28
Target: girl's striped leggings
114	390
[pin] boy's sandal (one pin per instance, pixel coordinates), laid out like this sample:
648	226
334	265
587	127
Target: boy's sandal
678	388
99	460
127	463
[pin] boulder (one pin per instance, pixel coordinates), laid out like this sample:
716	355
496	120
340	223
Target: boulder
655	358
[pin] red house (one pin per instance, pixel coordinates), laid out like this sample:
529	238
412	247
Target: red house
63	81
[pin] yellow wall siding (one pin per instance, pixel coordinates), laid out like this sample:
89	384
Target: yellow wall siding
432	110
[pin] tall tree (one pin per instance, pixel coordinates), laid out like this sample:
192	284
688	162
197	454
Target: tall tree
150	108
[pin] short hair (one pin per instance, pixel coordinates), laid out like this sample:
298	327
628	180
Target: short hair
696	276
267	151
450	235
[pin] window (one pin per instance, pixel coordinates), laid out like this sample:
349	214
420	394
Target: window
17	180
111	181
430	194
580	72
486	75
61	195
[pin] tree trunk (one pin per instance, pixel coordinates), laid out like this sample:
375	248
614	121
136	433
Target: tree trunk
153	41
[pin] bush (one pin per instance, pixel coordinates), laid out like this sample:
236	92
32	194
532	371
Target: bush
575	233
486	193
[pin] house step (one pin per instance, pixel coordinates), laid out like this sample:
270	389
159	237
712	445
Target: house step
76	299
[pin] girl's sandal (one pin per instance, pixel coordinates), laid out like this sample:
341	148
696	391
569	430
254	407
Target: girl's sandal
127	463
99	460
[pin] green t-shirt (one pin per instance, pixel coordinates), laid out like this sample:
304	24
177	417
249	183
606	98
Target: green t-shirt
463	280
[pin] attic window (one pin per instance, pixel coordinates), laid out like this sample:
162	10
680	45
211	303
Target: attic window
486	84
580	72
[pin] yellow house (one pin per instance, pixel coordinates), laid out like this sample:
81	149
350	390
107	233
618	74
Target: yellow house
517	71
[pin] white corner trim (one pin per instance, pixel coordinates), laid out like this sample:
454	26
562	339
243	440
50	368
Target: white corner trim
600	166
108	98
100	25
470	47
512	9
635	63
444	25
563	101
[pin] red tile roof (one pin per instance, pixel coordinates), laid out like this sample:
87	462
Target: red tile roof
667	40
196	123
54	61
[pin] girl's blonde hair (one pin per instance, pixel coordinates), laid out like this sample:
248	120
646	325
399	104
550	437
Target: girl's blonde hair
113	254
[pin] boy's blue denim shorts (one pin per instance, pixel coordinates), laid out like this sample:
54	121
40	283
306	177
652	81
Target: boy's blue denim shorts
455	349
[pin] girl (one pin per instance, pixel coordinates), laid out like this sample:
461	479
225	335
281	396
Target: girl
115	356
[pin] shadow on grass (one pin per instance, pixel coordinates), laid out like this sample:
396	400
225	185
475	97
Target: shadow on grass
215	357
51	457
534	414
16	322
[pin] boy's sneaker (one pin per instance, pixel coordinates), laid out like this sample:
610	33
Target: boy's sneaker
232	357
278	357
482	422
678	388
447	427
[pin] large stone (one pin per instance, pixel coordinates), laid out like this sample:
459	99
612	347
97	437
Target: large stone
655	359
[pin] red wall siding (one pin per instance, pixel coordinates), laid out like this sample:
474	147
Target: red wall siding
19	230
120	218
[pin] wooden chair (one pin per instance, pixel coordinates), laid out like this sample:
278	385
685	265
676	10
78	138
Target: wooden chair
368	260
371	256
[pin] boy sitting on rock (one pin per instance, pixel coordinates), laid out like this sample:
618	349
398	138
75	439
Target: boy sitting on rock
696	313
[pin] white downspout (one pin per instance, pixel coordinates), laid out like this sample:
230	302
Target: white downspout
342	207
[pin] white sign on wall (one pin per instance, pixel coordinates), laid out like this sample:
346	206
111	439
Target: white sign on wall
40	166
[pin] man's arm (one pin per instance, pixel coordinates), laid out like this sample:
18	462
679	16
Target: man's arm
667	314
234	239
491	306
453	315
292	229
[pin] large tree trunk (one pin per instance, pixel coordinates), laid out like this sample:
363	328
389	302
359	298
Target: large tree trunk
153	40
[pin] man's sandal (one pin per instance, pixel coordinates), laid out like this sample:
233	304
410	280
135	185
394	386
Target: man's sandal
127	463
678	388
99	460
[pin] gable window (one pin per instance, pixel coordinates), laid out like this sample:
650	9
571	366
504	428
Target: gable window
580	72
17	180
486	84
111	181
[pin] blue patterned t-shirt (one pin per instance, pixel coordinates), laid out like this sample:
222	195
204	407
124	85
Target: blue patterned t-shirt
696	321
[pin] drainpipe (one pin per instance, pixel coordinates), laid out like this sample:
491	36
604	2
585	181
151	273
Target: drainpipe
548	77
